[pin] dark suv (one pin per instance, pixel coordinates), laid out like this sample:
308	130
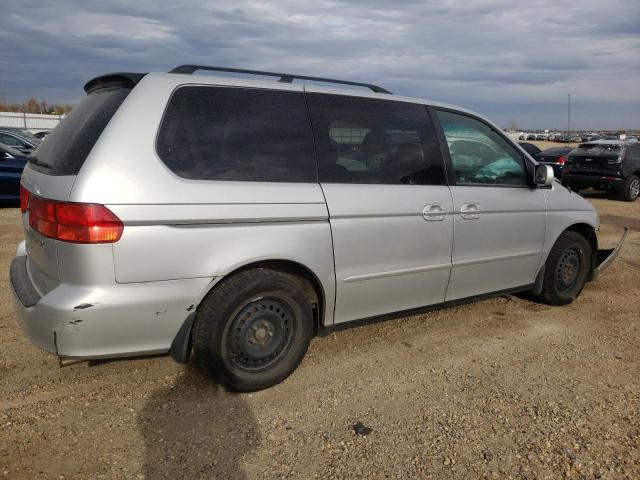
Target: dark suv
605	165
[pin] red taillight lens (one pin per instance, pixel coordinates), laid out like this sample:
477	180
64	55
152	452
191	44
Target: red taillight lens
42	216
561	160
87	223
74	222
24	199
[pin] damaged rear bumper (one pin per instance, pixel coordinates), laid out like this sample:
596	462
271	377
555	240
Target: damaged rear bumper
103	321
606	257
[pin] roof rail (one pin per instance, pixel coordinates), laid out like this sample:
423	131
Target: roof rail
284	77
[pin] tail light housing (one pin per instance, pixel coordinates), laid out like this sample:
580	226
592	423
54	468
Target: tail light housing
24	198
72	222
561	160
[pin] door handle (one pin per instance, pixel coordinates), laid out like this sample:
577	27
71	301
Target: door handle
470	211
434	212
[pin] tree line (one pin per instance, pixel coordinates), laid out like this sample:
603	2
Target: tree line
33	105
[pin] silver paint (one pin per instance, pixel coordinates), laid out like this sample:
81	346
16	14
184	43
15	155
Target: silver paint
374	249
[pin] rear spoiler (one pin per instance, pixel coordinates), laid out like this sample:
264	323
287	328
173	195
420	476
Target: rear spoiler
120	79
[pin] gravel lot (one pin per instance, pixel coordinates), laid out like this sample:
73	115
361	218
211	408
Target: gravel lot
503	388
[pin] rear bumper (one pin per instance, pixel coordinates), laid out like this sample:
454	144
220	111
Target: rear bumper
594	181
103	321
606	256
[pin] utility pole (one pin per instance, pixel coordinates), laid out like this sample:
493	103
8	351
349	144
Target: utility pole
568	113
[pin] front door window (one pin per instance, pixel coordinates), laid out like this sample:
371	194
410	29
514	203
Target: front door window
480	156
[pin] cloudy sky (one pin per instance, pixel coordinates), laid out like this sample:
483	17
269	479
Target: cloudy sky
511	60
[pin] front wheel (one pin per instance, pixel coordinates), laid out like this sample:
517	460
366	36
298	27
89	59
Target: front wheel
631	188
253	330
566	269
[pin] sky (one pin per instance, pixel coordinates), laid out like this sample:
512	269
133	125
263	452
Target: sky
512	61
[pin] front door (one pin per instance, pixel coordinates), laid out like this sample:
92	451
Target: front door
499	216
382	175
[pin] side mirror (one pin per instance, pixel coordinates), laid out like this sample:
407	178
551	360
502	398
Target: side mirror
544	175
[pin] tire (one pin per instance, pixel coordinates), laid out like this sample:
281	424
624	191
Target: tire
631	188
253	330
566	269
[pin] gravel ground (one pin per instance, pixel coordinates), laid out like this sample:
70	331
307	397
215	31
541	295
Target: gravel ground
503	388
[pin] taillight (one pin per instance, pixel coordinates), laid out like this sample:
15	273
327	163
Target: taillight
561	160
24	198
74	222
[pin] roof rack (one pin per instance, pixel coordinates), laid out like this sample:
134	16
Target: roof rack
284	77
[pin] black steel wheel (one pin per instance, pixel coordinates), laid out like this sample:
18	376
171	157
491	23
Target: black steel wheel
566	269
260	334
253	330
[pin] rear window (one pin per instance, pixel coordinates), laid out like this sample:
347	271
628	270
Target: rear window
68	145
237	134
598	149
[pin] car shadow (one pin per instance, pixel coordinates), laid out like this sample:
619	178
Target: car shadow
195	429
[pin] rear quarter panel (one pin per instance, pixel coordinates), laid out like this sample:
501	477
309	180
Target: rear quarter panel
177	228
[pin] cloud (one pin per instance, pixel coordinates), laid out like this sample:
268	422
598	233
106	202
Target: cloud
506	59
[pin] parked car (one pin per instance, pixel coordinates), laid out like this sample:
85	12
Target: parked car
530	148
42	134
18	140
531	136
12	163
564	139
556	157
23	132
239	217
541	136
612	165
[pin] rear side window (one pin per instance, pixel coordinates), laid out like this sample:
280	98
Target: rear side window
69	144
373	141
237	134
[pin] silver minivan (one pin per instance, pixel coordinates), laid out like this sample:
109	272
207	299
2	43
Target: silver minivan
237	218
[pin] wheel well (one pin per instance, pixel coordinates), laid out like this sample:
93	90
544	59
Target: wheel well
589	234
299	273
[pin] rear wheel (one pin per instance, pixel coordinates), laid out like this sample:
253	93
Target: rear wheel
566	269
631	188
253	330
